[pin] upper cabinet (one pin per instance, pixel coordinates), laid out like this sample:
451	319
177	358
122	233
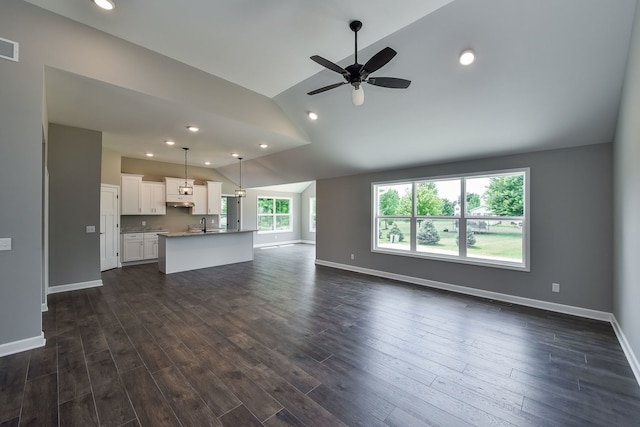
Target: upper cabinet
173	194
214	194
199	200
131	191
153	198
142	197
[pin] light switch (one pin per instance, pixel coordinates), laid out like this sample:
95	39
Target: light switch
91	228
5	244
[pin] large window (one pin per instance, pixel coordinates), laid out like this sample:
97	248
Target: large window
312	215
479	219
274	214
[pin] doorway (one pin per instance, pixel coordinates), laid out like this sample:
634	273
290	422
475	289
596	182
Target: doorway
109	219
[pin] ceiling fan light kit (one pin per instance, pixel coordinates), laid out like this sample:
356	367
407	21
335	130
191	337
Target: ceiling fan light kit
356	74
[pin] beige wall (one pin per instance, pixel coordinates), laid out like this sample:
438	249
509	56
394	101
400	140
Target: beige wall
110	173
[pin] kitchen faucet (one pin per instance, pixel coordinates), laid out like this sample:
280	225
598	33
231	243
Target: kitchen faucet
203	222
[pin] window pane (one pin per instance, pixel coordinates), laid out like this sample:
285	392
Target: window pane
394	234
265	223
223	205
501	195
394	200
495	240
282	222
438	236
312	214
265	205
438	198
282	206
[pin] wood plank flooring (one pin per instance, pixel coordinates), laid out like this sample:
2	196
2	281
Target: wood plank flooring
282	342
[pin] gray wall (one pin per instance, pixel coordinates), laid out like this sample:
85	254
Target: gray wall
571	227
307	194
627	199
74	203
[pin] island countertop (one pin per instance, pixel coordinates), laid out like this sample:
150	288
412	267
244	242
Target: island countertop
213	232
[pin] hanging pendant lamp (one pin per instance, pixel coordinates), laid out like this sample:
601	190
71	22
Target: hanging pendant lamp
240	192
186	189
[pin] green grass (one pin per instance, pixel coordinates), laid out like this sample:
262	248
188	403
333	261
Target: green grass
502	240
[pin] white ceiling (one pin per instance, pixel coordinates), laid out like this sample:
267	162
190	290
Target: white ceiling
548	75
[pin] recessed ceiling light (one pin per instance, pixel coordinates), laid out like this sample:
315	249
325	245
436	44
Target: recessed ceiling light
312	115
207	163
193	128
105	4
467	57
170	142
148	154
263	145
235	154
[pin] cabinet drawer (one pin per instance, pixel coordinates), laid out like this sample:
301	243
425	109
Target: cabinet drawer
131	236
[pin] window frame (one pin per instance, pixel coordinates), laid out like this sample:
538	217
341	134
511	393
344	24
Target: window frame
274	215
462	219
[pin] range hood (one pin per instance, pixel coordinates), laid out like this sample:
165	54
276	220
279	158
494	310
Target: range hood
180	204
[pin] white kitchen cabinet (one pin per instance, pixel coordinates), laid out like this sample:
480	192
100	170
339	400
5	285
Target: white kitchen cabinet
139	246
214	194
154	198
150	245
131	194
199	200
132	247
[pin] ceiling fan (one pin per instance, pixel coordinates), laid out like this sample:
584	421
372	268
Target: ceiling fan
356	74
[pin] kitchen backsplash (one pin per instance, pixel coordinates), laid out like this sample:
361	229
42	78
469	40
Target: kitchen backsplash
176	219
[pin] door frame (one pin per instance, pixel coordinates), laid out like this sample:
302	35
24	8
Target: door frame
116	225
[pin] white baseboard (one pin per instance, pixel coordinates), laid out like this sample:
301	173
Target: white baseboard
22	345
44	307
74	286
308	242
631	357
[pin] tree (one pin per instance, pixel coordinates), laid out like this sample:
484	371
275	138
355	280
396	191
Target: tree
395	230
473	201
389	202
448	208
427	233
428	202
505	195
471	238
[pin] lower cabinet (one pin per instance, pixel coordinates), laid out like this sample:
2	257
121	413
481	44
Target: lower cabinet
139	246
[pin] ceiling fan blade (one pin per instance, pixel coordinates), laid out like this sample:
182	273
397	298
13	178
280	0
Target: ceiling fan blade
326	88
330	65
378	61
391	82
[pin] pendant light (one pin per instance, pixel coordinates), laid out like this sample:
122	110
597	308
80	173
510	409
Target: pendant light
186	189
240	192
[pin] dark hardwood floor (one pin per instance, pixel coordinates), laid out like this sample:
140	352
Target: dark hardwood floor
281	342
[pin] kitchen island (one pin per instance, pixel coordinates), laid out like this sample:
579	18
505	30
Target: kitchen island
190	251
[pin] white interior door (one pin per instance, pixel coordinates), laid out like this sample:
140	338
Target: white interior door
109	218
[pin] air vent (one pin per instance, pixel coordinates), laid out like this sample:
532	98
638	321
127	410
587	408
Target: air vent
8	49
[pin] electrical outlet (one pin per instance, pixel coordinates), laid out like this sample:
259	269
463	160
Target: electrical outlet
144	223
91	228
5	244
353	257
555	287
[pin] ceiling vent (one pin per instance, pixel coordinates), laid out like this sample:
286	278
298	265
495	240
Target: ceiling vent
8	49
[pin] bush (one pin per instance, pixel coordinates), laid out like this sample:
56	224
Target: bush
471	238
428	234
395	230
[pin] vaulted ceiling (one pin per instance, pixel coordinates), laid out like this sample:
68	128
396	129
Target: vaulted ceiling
548	74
